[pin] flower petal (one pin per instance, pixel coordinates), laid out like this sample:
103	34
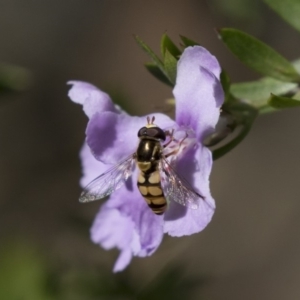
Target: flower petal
110	229
91	167
195	167
149	226
198	91
150	230
112	137
126	222
123	260
92	99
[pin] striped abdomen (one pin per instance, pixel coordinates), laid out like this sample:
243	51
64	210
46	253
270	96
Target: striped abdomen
150	188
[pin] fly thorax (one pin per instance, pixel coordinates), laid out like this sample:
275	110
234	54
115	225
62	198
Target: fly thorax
148	150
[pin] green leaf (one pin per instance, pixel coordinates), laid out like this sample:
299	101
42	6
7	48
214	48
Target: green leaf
283	102
157	73
267	109
170	66
167	44
154	57
258	92
258	56
244	116
289	10
297	95
188	42
148	50
225	81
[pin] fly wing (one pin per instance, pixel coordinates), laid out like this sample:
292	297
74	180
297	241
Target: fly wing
108	182
176	188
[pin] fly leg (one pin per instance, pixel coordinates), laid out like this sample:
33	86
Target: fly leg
171	135
175	151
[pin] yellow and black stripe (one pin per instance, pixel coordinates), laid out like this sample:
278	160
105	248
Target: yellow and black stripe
148	156
150	188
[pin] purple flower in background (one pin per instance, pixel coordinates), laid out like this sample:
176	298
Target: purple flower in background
125	221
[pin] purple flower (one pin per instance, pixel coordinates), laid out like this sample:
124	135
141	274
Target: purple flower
125	221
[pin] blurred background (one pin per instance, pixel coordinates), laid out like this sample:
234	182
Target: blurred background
251	248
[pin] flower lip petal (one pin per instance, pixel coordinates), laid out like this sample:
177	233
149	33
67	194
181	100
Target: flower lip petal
148	226
102	233
90	97
112	229
126	222
198	91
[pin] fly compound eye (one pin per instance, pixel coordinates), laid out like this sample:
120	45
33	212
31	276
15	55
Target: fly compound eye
152	132
161	135
156	133
142	132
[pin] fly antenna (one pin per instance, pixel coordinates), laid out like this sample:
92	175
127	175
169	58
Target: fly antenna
150	121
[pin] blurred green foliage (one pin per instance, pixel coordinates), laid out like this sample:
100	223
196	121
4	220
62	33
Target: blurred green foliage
25	274
13	78
289	10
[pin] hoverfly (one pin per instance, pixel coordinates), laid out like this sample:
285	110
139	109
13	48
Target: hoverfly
157	182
